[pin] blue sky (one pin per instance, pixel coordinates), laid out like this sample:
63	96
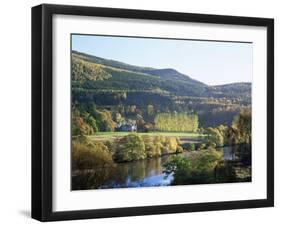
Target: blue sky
213	63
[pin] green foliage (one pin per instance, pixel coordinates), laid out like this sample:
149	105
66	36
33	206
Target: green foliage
188	146
179	149
92	164
153	146
243	123
129	148
225	172
232	136
241	129
117	117
180	122
195	169
215	136
238	133
150	109
80	127
85	71
200	146
109	84
141	78
104	121
87	120
170	145
87	155
156	146
134	147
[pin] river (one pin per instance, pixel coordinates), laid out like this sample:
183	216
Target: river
144	173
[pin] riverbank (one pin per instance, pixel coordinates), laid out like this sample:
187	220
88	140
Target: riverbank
150	172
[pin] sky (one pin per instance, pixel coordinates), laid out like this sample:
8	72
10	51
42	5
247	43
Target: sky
213	63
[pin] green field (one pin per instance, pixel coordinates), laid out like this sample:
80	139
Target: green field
183	137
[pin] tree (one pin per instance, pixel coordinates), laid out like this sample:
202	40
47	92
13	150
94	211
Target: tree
92	163
232	136
243	123
88	155
104	120
129	148
198	168
152	146
80	127
189	146
241	129
215	137
85	71
170	145
181	122
150	109
87	119
90	121
117	117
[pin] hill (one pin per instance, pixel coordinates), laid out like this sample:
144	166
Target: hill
130	77
117	86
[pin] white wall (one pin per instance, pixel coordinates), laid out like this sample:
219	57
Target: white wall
15	111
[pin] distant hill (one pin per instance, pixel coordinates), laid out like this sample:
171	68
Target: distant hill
130	89
130	78
106	62
169	73
124	76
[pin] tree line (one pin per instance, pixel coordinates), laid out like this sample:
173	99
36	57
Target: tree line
180	122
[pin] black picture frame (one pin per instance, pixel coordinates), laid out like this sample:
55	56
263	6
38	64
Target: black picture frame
42	111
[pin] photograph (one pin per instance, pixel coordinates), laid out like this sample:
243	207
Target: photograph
154	111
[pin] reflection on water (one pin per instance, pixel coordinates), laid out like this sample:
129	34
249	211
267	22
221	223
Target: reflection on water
145	173
228	153
149	172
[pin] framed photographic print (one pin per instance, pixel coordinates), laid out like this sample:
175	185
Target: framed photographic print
145	112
